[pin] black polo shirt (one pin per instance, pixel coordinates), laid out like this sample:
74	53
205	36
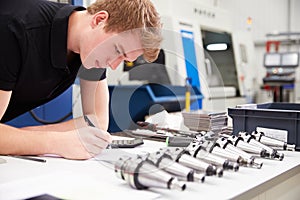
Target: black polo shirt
33	53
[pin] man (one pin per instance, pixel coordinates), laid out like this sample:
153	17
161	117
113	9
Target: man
44	45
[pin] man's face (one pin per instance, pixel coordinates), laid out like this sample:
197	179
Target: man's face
110	49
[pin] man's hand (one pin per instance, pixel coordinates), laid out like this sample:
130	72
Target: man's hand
83	143
94	140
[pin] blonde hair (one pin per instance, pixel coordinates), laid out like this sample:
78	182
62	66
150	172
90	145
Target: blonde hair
126	15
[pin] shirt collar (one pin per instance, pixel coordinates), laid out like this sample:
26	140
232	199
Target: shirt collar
59	34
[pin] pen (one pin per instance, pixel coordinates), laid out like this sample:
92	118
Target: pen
87	120
29	158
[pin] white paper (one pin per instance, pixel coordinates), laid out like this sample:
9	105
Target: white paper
165	120
281	135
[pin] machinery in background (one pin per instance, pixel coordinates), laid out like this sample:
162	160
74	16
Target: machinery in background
130	103
281	66
155	72
280	77
201	45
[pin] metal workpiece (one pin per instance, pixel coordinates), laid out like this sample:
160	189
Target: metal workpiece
120	166
272	142
200	165
218	151
228	146
156	128
274	154
207	136
177	141
142	174
256	163
246	136
223	142
249	148
174	152
217	160
183	157
199	152
252	140
289	147
165	162
198	177
250	159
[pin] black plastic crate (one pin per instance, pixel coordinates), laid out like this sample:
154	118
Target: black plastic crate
283	116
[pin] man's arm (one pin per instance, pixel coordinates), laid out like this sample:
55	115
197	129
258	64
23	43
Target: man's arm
4	100
81	143
95	99
16	141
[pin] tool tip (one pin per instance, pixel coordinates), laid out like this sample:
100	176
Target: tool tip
220	172
257	164
177	185
199	177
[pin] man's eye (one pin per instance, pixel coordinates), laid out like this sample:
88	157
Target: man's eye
117	50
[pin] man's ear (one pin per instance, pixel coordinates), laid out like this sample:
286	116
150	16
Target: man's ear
99	18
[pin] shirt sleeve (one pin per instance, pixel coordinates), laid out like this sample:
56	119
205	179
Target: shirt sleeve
93	74
10	56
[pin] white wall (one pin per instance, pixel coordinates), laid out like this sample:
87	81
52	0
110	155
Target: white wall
268	16
295	15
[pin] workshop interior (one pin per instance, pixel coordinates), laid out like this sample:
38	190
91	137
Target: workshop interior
219	107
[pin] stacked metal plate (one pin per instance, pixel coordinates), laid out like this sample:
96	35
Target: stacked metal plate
205	121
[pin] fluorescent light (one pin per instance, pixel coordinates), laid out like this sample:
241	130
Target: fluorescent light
217	47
